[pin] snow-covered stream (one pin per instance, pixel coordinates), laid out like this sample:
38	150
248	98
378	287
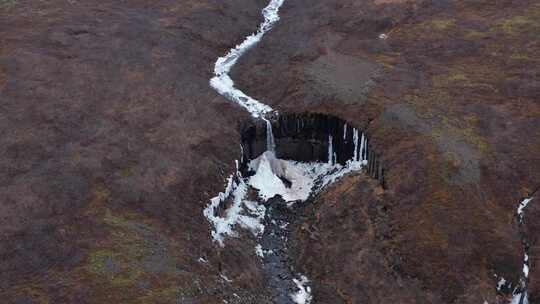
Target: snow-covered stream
280	184
520	295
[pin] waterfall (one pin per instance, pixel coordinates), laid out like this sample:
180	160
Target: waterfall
365	154
270	142
355	139
362	147
330	150
304	179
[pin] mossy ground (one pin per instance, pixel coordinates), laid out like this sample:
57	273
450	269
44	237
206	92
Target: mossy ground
471	65
7	4
128	259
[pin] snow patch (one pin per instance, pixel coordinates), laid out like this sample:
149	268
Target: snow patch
501	283
242	212
259	251
303	294
202	260
225	278
267	179
520	295
305	178
520	298
330	150
521	208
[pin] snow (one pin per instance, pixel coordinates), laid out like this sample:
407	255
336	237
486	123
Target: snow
303	294
501	283
224	85
267	180
363	154
247	214
259	251
355	139
306	178
522	295
516	298
202	260
522	206
225	278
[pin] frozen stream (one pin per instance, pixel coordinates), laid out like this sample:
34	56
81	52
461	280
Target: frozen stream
279	184
520	295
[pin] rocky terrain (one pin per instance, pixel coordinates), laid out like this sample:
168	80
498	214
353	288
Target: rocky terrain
449	97
112	142
111	145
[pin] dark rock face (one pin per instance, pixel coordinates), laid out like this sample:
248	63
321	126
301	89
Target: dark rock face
306	136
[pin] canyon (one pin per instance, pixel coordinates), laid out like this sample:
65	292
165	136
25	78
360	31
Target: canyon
114	145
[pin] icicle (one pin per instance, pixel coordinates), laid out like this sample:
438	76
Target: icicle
365	149
362	147
330	150
355	139
270	143
345	131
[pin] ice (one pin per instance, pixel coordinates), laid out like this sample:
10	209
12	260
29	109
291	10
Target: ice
501	283
362	148
519	298
270	143
224	277
221	81
330	150
259	251
267	179
521	207
355	138
202	260
224	85
242	212
303	294
293	181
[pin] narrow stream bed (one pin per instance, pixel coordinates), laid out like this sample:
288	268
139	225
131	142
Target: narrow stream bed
520	294
264	201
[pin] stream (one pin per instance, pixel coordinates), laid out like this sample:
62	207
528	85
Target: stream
279	185
265	201
520	295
